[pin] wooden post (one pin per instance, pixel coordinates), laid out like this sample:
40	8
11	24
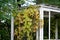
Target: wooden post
37	35
56	34
41	24
49	24
12	28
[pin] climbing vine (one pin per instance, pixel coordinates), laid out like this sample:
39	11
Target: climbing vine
26	23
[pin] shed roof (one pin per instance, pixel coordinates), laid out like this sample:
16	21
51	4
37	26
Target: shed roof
49	8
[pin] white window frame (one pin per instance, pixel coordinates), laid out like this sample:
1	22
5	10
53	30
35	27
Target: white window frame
49	9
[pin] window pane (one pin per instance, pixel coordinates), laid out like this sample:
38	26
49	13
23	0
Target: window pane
46	24
53	26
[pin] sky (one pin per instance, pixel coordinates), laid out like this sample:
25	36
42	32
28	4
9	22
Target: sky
28	2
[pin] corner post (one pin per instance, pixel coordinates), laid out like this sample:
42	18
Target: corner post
12	28
49	23
41	24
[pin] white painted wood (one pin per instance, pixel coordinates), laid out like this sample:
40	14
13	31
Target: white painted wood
12	28
41	34
49	24
37	35
56	34
48	9
41	29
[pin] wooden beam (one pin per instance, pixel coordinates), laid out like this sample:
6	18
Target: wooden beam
12	28
49	24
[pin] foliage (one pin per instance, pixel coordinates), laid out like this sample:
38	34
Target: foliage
7	8
21	2
5	15
50	2
5	30
26	23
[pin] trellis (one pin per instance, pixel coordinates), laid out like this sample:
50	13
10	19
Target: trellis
39	33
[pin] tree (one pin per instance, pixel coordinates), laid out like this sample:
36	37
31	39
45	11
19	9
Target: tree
50	2
7	9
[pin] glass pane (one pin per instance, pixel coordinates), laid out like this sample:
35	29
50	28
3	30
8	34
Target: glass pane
58	21
59	28
55	23
46	24
53	26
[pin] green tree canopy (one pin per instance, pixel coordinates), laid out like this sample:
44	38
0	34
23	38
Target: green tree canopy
50	2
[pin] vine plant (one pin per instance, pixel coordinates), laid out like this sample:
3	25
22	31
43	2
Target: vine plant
26	22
